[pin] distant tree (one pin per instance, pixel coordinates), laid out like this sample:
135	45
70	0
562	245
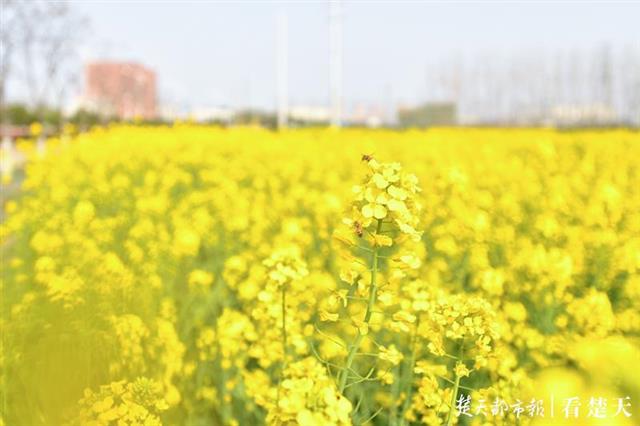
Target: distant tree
9	30
256	117
17	114
50	116
429	114
39	41
85	119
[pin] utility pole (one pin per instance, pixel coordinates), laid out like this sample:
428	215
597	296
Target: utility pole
606	81
335	61
282	71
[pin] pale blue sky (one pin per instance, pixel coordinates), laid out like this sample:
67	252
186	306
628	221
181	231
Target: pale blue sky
223	53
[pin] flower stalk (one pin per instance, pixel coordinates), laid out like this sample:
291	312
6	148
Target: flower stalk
373	288
456	387
284	342
410	374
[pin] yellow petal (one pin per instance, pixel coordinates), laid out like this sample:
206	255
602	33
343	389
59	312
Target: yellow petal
397	193
382	240
306	418
396	205
367	211
379	181
328	316
379	212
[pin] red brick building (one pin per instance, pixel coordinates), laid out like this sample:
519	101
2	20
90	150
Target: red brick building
126	90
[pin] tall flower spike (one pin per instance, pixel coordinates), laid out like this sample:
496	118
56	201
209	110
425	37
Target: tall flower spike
385	212
285	266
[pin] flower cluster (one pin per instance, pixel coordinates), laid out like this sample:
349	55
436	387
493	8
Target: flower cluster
123	404
308	397
285	266
388	196
468	323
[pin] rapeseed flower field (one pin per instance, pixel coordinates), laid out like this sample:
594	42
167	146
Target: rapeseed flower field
193	275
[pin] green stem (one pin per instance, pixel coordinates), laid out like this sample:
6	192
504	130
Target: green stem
456	384
410	373
456	387
284	343
222	389
284	324
353	348
395	392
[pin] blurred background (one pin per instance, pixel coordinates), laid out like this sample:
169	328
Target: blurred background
314	63
346	63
